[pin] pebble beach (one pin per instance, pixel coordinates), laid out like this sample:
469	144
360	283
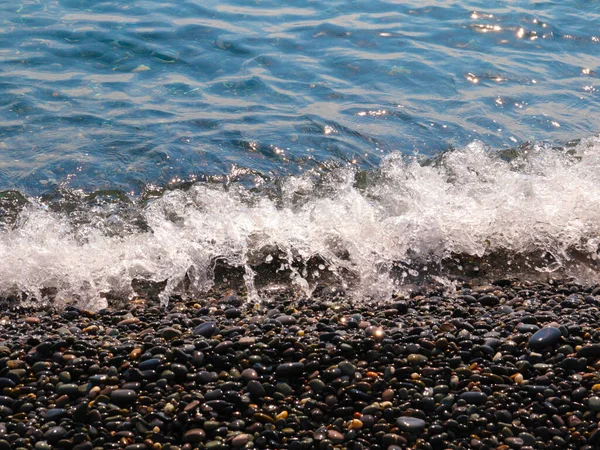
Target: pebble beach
505	365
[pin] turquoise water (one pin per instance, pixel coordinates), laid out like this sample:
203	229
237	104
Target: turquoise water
365	146
126	94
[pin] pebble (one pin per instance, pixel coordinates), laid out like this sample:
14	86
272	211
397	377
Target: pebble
473	397
67	389
347	368
335	437
256	389
411	424
240	440
123	396
514	442
545	337
594	403
55	434
286	320
55	414
589	351
194	435
7	383
170	333
249	374
290	369
207	329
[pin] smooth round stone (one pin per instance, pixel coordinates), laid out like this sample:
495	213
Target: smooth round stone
527	328
140	446
546	337
347	368
416	359
55	434
211	425
207	329
213	445
6	401
197	359
474	397
240	440
179	370
411	424
232	313
194	435
247	341
223	347
150	364
335	437
123	396
391	439
374	332
290	369
67	389
489	300
317	385
387	395
170	333
205	377
6	383
249	374
5	411
529	439
64	376
284	388
594	403
589	351
256	389
55	414
39	366
287	320
99	379
514	442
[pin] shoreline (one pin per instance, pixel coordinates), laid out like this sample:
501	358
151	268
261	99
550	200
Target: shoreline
472	370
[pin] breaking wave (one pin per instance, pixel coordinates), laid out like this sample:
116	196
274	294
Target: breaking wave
469	213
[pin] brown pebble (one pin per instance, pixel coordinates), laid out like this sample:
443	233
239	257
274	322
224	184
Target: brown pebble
355	424
387	395
194	435
335	437
240	440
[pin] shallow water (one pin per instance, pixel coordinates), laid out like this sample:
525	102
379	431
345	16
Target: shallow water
298	122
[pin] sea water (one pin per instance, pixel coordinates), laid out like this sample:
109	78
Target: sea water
361	146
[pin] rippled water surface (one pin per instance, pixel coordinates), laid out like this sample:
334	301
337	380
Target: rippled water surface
123	94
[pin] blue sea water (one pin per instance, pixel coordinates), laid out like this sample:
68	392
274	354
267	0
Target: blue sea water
128	128
122	94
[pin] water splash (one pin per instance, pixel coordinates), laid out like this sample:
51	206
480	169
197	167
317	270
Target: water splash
470	211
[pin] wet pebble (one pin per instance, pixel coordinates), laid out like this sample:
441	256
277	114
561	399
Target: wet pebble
290	369
123	396
545	337
194	435
55	434
411	424
207	329
474	397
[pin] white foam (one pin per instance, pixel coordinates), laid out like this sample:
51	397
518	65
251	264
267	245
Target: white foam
469	202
